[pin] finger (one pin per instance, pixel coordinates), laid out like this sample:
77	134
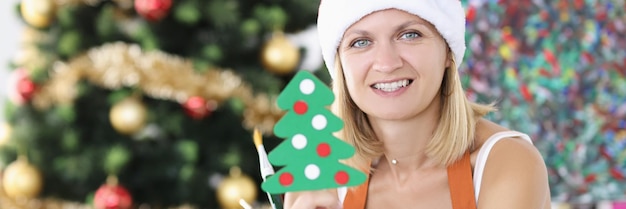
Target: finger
290	198
325	199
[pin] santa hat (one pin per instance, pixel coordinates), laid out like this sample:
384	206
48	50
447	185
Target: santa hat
335	16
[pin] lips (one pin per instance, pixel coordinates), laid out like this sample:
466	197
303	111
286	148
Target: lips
392	86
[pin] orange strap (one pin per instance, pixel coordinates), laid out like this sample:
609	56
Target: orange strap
459	181
355	198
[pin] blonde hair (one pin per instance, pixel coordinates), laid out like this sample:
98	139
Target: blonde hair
452	138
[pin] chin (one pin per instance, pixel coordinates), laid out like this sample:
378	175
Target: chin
388	115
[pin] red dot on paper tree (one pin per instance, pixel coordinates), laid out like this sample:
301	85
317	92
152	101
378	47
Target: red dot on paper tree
323	149
286	179
341	177
300	107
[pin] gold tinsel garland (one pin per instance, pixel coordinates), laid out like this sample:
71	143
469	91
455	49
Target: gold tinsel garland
158	75
28	55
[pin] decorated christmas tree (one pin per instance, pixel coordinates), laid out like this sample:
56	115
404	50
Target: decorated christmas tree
158	97
311	153
147	103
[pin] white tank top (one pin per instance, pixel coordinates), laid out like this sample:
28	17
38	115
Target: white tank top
481	160
483	153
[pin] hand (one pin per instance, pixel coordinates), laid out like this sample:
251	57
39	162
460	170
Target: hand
320	199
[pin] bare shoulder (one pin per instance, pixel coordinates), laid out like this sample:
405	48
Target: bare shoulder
515	174
484	130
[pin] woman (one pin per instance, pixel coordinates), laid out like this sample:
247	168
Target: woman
395	65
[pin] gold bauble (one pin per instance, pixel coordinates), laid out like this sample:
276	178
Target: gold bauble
237	186
279	55
38	13
128	116
22	180
5	133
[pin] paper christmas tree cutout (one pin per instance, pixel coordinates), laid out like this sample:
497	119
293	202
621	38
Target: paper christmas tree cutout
310	153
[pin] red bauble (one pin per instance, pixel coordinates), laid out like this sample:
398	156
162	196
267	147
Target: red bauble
153	10
26	88
112	196
198	108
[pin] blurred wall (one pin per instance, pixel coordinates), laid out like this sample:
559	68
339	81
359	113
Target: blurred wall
10	25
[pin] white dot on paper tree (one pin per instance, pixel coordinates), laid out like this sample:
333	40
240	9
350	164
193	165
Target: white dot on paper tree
299	141
307	86
312	172
319	122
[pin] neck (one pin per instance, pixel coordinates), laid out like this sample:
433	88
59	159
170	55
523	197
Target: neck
405	142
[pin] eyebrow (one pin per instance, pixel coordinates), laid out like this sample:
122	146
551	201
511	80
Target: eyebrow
412	22
399	27
358	32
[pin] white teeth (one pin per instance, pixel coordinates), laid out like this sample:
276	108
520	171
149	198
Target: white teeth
393	86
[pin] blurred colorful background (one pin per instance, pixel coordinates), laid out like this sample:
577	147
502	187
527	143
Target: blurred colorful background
152	103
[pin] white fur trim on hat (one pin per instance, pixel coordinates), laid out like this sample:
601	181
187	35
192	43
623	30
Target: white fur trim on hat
336	16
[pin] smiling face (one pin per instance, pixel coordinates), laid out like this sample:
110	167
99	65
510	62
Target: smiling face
393	64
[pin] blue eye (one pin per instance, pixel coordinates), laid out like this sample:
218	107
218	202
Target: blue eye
361	43
410	35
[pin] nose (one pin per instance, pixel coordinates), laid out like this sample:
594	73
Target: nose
387	58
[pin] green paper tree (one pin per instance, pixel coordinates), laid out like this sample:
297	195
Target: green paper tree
311	153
